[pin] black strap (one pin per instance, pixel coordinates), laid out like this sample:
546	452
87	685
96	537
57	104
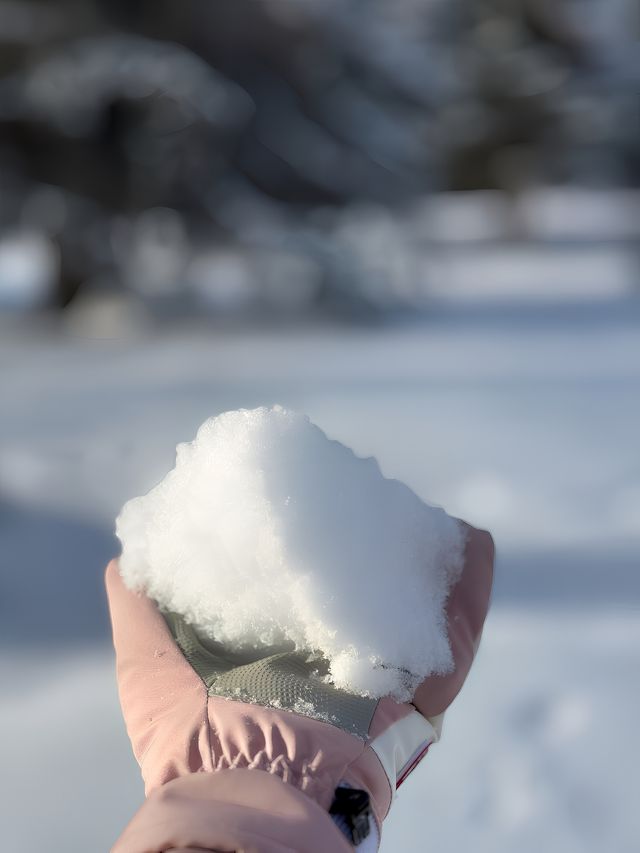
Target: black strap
353	806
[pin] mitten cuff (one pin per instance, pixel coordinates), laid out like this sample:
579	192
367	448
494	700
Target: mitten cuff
248	810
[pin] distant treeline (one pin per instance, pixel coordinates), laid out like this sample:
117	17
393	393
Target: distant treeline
255	121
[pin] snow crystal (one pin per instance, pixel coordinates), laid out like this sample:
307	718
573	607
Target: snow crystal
268	531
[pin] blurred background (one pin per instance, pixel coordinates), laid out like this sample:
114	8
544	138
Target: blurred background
418	222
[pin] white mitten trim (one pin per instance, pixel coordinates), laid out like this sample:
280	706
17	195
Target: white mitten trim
402	746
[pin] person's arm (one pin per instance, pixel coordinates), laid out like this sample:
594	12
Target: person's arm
222	775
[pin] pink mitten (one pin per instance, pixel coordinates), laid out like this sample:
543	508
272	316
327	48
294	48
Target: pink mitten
302	766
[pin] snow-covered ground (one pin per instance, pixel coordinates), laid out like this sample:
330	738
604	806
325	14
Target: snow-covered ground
519	419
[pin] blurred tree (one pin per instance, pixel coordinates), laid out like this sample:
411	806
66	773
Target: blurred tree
246	119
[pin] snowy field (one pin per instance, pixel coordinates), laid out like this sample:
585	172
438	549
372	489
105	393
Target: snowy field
524	421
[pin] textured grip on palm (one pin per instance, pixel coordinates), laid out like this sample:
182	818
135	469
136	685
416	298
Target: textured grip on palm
277	678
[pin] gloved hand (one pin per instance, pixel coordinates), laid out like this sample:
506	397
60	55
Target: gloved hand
251	755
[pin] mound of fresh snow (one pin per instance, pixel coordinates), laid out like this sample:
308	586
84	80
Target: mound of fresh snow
267	531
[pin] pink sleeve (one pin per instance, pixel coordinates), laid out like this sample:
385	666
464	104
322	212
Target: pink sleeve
231	810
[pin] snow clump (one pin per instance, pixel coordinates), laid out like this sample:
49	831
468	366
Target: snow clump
267	531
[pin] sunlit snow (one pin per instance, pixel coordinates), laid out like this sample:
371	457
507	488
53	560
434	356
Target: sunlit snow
268	531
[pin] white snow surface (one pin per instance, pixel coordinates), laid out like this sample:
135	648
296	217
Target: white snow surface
268	531
524	421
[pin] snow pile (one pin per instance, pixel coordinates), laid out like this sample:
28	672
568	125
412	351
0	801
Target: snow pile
268	531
